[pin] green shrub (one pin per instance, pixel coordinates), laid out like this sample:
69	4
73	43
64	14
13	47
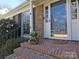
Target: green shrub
7	30
6	25
9	46
34	34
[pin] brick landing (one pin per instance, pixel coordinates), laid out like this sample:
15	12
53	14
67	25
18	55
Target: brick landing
13	56
62	51
47	49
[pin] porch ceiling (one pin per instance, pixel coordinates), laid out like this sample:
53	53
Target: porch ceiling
37	2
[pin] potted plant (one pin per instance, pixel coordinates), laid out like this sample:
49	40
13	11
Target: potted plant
34	37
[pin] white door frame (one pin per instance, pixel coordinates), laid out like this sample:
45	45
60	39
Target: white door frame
74	24
47	28
68	10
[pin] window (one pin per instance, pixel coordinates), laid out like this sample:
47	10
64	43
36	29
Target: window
26	22
73	9
19	19
46	13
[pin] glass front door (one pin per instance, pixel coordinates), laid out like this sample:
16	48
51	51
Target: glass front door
58	19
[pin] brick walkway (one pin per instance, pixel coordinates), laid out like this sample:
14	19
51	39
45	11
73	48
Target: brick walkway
13	56
47	49
65	47
33	54
68	50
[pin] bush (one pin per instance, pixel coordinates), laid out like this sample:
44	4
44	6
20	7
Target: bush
7	29
34	34
9	46
6	25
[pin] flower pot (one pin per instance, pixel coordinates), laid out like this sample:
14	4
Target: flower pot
34	42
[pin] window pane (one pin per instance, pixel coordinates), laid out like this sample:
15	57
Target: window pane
46	13
26	22
59	21
73	9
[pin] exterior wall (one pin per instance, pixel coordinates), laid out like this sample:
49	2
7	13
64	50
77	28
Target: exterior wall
16	18
39	27
73	24
19	19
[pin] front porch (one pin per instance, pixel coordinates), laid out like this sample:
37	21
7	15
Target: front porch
44	24
54	19
48	49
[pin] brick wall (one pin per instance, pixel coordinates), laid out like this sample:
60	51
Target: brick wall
39	24
16	18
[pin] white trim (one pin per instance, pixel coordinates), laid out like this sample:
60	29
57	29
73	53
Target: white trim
72	24
31	16
47	27
77	19
69	32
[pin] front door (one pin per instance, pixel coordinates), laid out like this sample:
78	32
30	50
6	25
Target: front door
58	19
55	20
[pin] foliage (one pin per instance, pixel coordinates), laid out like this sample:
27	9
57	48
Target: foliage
9	46
34	34
6	25
8	29
26	28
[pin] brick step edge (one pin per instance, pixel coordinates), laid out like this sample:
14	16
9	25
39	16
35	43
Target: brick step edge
30	54
52	51
13	56
21	54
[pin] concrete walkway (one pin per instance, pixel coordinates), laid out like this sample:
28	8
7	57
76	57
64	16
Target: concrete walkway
62	51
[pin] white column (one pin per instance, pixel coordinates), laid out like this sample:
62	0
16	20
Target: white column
31	16
69	25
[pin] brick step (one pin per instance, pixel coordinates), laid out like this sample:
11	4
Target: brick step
56	52
30	54
13	56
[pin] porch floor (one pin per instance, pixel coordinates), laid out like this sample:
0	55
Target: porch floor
49	49
57	48
62	45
